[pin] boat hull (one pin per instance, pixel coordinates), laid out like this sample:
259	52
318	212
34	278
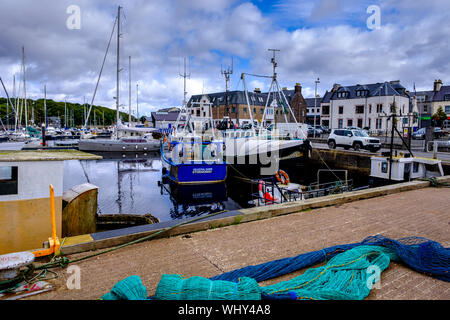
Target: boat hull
267	163
201	173
116	146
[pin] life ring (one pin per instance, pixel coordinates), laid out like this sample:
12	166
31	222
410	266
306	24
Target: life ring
285	179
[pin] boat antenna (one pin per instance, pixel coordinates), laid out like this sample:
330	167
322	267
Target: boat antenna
185	75
227	73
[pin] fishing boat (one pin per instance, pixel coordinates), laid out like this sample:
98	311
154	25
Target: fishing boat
402	168
279	189
261	152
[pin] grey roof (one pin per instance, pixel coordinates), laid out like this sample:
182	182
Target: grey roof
431	96
440	95
428	95
373	89
234	97
165	116
238	97
310	102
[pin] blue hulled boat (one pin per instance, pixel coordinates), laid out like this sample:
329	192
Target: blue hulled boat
191	160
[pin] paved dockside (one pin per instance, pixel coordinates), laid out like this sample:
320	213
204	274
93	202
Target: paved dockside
424	212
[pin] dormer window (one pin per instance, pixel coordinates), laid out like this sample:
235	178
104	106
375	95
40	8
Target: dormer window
361	93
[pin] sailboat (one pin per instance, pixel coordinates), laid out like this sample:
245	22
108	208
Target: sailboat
125	138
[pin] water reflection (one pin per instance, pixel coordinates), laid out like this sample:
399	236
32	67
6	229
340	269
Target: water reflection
129	184
194	200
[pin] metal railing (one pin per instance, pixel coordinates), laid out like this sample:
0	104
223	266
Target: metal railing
272	193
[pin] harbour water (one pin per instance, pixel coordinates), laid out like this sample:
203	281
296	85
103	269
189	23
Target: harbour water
129	184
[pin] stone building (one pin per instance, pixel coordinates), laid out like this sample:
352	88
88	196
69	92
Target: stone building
233	105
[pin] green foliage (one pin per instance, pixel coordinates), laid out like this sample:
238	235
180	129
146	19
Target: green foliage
75	112
440	116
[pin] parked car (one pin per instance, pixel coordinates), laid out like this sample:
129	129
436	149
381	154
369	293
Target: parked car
353	128
324	129
314	132
356	139
420	134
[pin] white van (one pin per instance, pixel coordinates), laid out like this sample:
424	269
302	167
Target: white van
292	130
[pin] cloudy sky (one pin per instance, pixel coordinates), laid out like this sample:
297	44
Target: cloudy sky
330	39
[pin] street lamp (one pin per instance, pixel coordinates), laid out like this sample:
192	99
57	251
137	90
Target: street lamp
315	105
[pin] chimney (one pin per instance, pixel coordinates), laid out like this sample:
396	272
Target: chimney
437	85
284	88
298	88
257	90
335	87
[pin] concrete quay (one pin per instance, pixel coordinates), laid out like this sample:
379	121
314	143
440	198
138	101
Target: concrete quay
207	249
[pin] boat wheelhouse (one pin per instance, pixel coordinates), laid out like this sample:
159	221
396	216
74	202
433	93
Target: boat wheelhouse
404	168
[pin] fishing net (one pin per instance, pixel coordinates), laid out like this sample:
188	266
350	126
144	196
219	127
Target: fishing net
420	254
175	287
130	288
349	273
348	276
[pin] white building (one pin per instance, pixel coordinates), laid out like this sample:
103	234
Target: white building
369	107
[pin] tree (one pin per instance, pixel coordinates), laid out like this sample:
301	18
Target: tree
439	117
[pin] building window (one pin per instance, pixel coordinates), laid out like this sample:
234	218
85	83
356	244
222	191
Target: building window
8	181
254	111
340	123
379	108
425	108
370	123
233	109
245	110
341	109
360	123
349	122
378	123
370	108
447	97
384	167
326	123
325	109
447	110
261	111
359	109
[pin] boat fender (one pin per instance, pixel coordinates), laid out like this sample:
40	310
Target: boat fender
283	178
266	196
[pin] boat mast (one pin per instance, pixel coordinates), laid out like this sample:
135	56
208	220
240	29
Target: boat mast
137	102
118	66
45	104
129	91
24	87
